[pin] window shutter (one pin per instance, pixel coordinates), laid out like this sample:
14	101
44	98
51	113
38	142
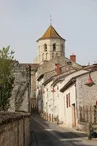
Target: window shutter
67	101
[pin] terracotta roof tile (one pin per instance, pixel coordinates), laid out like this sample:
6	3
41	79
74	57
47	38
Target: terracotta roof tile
50	33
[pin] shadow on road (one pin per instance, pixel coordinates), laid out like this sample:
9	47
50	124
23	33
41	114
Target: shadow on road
65	136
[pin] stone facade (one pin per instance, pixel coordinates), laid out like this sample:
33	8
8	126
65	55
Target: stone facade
14	129
20	100
49	54
24	86
50	45
86	95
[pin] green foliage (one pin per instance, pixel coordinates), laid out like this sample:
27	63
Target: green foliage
6	77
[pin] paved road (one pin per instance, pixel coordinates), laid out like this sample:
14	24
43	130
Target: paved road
41	137
45	133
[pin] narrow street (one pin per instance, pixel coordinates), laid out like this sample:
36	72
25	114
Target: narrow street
44	133
41	137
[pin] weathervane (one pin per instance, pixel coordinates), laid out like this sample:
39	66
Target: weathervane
50	19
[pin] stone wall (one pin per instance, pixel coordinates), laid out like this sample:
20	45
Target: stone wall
20	100
86	98
86	95
14	129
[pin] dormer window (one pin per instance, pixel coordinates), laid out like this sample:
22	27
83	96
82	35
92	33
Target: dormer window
45	47
54	47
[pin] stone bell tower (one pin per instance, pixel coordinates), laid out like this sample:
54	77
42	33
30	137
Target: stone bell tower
50	45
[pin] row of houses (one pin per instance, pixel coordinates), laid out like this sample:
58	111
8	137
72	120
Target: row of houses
68	96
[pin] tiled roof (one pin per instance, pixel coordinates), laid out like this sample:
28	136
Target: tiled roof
91	67
50	33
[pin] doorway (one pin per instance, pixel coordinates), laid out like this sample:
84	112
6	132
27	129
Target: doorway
73	116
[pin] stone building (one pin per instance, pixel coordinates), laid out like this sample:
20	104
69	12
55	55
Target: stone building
80	96
52	60
24	86
50	45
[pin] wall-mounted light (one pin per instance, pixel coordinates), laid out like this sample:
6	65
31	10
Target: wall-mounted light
53	90
90	81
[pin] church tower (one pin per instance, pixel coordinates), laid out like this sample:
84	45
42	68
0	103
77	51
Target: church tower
50	45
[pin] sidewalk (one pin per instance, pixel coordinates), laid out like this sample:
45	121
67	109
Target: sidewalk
64	134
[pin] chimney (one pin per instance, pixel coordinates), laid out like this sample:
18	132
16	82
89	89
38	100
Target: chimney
73	58
58	69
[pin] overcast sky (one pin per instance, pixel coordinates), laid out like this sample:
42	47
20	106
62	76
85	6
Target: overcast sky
22	22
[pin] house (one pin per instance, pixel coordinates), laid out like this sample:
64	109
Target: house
58	84
79	91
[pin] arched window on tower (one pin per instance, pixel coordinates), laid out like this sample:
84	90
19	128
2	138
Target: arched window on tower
46	55
62	48
54	47
45	47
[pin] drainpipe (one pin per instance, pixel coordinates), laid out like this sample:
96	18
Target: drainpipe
53	108
76	102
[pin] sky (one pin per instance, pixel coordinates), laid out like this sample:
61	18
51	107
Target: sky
22	22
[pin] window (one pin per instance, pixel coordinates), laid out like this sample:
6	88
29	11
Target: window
54	47
52	55
46	55
62	47
68	100
45	47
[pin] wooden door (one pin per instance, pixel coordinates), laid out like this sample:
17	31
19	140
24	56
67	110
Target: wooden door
74	116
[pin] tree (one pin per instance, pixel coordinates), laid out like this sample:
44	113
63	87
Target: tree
6	77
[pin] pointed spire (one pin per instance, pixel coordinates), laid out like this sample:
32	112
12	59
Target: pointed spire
50	33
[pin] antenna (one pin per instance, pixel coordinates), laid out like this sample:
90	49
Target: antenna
50	19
